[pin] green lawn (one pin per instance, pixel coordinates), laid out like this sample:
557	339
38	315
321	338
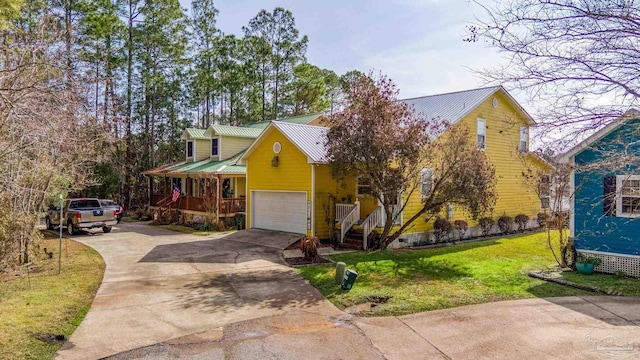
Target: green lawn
621	285
51	304
421	280
190	230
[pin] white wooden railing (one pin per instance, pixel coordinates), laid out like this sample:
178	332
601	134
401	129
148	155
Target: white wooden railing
349	220
374	219
342	210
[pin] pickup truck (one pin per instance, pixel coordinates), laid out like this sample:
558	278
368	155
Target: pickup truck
81	214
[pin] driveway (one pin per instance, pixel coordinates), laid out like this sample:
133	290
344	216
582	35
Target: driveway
160	285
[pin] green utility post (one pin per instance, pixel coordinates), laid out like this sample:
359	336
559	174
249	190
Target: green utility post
60	240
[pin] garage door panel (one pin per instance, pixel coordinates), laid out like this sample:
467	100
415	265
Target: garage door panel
281	211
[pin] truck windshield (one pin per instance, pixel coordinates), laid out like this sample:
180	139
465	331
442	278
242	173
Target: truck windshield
84	203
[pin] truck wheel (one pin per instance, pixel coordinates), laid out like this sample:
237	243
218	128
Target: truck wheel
71	230
106	229
49	224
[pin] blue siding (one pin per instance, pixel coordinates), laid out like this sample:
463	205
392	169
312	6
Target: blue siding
594	230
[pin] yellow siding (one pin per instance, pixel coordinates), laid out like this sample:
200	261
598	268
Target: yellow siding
241	188
514	196
202	148
233	145
329	191
293	173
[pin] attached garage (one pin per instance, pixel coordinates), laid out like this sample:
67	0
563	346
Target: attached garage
279	210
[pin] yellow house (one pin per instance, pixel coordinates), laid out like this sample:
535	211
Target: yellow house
290	186
211	178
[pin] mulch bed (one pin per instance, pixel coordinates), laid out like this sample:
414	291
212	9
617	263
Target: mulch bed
300	261
296	245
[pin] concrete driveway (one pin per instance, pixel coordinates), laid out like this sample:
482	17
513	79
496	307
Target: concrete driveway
160	285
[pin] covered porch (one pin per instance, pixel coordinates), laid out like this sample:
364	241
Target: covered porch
209	188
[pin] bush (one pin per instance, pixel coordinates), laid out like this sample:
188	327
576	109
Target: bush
142	214
521	220
309	247
207	226
461	228
164	218
486	224
505	223
441	229
543	219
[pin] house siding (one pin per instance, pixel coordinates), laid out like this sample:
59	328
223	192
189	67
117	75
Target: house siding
514	196
592	229
329	191
293	172
232	145
202	148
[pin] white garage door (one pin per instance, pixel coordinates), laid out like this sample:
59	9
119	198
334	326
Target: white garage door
282	211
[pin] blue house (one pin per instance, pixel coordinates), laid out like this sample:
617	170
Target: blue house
605	183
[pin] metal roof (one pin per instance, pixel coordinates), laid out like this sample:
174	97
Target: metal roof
202	167
309	139
300	119
236	131
450	107
195	133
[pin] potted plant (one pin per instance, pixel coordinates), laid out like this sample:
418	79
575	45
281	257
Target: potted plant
586	264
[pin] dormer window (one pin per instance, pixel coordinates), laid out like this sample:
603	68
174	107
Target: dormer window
524	139
215	147
481	134
189	149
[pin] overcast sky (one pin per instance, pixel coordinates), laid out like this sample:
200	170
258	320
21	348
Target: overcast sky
418	43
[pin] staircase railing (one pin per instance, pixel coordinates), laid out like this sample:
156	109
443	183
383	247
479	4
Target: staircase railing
349	220
342	210
374	219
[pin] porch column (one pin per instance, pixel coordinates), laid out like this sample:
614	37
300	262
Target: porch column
187	192
219	202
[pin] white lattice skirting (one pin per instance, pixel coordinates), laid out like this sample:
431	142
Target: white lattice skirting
615	262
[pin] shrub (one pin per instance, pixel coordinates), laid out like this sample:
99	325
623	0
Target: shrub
164	218
521	220
143	214
461	228
486	223
589	259
441	229
309	247
204	226
373	241
543	219
505	223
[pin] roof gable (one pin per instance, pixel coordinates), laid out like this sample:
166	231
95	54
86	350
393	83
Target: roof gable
309	139
452	107
608	129
193	133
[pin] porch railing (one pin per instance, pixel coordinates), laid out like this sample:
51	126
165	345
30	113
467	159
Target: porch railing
349	220
371	222
227	206
233	205
342	210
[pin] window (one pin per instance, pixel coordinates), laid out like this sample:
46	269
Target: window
426	182
524	137
364	187
481	134
628	199
189	149
214	147
544	191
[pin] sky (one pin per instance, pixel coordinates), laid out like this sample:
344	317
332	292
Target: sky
417	43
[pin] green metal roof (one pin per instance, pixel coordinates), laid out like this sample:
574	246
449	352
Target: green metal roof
202	167
245	132
196	133
300	119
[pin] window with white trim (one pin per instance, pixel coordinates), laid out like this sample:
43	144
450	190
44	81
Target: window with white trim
189	149
426	182
628	199
524	139
215	148
544	191
363	187
481	134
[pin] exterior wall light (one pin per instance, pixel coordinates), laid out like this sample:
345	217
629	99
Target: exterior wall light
274	161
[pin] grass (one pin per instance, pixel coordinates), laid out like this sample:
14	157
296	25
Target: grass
129	219
421	280
622	285
47	303
190	230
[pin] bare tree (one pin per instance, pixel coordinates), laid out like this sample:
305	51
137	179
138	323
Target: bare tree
577	59
47	147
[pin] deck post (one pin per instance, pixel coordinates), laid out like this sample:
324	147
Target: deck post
187	189
219	202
